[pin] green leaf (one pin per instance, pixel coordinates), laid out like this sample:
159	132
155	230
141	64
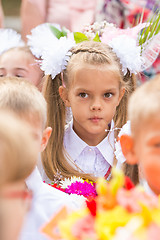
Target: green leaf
80	37
96	38
64	32
58	34
155	26
152	30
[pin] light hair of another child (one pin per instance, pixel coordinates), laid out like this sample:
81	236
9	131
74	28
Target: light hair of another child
18	152
90	53
22	98
144	104
20	48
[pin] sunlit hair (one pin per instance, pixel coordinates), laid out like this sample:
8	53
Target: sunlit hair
93	53
18	151
23	98
144	104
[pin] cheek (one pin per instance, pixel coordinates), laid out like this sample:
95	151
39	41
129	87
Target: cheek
151	168
34	76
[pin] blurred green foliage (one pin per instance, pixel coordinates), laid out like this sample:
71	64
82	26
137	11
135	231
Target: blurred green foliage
11	7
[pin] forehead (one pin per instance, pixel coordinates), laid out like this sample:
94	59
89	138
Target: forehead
92	74
19	55
149	126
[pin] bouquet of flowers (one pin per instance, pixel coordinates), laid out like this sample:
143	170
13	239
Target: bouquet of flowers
116	213
77	185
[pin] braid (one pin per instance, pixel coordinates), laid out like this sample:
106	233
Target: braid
88	50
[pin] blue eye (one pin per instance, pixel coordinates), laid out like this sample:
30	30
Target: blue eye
83	95
108	95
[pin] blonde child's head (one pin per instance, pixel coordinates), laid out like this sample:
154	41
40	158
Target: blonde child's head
144	104
93	65
20	62
23	98
18	151
143	146
18	157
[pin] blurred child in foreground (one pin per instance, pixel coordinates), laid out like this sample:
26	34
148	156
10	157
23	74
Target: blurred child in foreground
24	99
143	146
18	155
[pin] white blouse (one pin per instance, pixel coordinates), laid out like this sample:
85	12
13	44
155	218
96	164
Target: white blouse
46	202
94	160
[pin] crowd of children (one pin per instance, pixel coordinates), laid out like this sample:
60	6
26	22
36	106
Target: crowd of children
62	113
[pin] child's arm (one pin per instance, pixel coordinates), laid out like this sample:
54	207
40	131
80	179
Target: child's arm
81	12
33	13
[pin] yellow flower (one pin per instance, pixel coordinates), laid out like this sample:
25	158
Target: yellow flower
102	186
66	225
107	222
117	180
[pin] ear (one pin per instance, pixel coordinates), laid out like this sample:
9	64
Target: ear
64	95
45	137
121	94
127	146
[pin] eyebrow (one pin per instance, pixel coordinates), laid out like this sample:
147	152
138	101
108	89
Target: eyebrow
105	90
21	69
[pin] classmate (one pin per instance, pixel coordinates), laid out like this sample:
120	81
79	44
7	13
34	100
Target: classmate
20	62
24	99
96	90
143	146
18	156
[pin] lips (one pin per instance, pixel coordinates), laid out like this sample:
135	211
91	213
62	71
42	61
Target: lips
95	119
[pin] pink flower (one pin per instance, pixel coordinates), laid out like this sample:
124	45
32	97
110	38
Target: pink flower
153	232
86	189
131	200
111	33
84	228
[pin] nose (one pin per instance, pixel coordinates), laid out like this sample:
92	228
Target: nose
8	75
96	105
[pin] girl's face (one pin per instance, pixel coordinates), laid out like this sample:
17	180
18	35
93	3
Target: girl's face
19	63
93	97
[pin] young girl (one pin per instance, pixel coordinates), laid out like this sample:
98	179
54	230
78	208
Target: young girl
95	88
20	62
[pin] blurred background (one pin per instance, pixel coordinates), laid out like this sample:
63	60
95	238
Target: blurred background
11	10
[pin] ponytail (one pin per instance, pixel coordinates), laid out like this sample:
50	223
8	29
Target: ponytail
54	158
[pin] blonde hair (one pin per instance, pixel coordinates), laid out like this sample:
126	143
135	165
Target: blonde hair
144	104
18	152
92	53
22	98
